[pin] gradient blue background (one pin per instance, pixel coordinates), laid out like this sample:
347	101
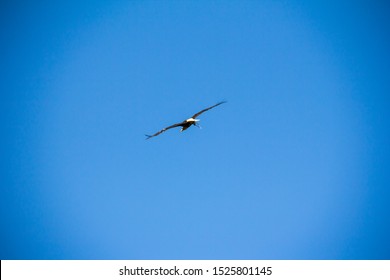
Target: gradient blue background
294	166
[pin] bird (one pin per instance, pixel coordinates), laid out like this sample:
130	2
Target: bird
186	123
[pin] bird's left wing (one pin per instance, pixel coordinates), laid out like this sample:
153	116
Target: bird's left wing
164	129
204	110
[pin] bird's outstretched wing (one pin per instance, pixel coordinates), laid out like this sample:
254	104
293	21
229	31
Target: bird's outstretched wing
164	129
204	110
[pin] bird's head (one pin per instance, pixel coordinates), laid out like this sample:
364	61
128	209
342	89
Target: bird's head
192	120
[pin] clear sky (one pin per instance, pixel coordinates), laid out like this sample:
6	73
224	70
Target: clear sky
294	166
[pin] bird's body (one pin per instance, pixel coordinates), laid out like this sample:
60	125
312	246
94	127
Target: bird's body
186	123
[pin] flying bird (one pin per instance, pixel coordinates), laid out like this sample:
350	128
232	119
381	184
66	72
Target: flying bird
186	123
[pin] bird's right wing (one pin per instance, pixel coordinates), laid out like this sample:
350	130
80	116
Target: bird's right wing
204	110
164	129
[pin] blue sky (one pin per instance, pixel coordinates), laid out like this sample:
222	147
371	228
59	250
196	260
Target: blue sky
293	166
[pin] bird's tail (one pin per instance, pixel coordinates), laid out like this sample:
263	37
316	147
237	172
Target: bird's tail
148	136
